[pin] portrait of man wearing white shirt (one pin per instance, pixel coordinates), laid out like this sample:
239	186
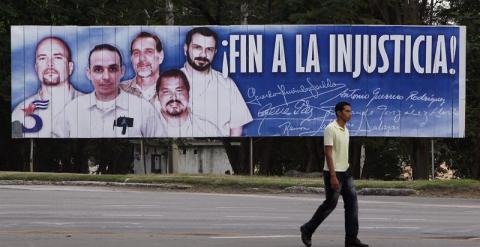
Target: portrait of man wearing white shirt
53	66
108	111
146	54
212	96
172	103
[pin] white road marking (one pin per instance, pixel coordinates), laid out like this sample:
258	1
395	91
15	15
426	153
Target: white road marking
132	215
26	205
331	226
295	198
320	199
392	219
130	205
380	210
256	224
413	205
257	216
57	188
390	227
52	223
256	237
245	208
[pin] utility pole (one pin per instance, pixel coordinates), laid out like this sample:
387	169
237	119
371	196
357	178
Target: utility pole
244	13
173	153
244	21
169	17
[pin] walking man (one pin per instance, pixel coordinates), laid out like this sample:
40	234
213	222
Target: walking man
338	180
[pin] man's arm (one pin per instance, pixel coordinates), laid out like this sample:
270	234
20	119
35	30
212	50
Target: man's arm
236	131
153	125
331	168
240	114
60	128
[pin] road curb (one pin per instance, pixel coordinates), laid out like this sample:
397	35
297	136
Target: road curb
387	192
177	186
174	186
364	191
304	190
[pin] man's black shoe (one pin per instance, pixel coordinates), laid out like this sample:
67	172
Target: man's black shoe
306	236
355	243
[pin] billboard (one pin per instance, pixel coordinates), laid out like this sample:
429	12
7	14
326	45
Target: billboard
252	80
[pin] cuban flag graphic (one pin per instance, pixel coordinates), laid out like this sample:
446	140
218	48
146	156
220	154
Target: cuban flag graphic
41	104
36	104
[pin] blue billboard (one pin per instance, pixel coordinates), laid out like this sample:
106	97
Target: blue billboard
254	80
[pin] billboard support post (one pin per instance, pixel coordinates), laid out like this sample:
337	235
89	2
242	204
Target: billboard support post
251	156
433	160
142	153
31	154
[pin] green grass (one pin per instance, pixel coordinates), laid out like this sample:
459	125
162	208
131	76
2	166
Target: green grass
460	187
40	176
202	180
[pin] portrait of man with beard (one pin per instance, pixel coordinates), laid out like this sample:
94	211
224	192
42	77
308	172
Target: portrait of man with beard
212	97
53	66
172	105
146	54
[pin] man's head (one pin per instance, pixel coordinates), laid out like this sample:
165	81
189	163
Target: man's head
53	62
172	91
146	54
343	110
105	69
200	48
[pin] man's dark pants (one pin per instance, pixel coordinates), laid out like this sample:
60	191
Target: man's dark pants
349	194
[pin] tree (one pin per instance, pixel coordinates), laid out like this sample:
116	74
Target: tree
464	153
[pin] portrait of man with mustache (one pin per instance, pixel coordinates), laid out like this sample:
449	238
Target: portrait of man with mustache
146	54
212	96
53	67
172	105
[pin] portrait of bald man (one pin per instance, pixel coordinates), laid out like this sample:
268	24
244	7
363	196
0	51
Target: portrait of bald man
53	67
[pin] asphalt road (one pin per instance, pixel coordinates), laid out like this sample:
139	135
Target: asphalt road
50	216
